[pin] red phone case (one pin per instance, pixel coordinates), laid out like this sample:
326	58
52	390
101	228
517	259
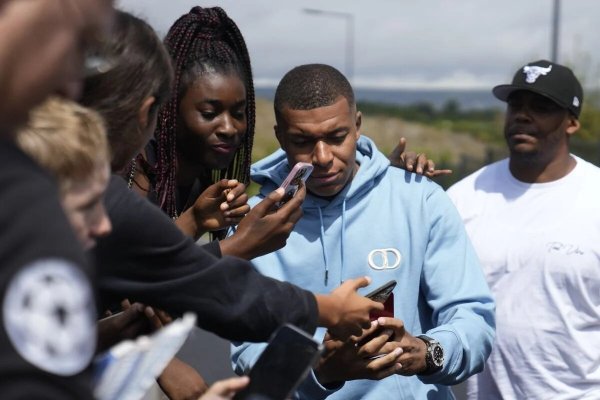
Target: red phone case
388	309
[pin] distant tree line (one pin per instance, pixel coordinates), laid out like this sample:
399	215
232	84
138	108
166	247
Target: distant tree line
486	125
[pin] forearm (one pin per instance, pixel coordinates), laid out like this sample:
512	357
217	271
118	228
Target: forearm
463	306
235	246
329	310
188	225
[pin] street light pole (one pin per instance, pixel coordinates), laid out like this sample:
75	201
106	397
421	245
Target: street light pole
555	26
349	18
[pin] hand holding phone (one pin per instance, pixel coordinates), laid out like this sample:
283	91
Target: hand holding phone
295	179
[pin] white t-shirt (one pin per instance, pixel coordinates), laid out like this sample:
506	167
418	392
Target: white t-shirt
539	245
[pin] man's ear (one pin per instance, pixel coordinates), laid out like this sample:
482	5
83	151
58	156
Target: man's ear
358	123
144	111
279	136
573	125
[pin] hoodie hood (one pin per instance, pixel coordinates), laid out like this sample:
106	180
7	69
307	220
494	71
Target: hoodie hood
271	171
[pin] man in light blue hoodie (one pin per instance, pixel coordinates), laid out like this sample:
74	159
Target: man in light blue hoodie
363	217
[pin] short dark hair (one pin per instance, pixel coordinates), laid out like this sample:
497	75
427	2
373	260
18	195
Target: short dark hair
312	86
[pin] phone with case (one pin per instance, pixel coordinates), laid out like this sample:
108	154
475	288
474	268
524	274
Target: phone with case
292	183
383	294
282	366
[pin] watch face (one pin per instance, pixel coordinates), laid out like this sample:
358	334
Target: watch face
438	355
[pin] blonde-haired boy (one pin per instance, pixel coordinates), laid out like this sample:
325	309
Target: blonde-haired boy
70	142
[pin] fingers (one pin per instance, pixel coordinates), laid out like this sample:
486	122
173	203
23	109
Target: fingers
219	188
438	172
128	317
401	144
125	304
165	318
292	210
358	283
154	319
375	344
397	156
237	213
393	323
236	202
268	203
411	159
234	191
228	387
421	164
386	365
366	334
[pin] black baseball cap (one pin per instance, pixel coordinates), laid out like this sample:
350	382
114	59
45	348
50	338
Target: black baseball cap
551	80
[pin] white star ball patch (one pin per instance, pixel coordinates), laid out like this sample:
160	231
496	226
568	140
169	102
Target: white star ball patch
49	315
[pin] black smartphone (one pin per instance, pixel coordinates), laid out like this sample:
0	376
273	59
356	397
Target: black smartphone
282	366
292	183
111	316
383	294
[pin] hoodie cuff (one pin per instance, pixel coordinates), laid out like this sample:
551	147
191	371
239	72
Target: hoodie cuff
453	356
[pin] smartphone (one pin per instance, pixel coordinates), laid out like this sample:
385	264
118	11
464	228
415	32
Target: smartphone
111	316
383	294
282	366
297	177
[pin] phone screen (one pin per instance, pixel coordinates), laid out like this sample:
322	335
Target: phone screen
284	363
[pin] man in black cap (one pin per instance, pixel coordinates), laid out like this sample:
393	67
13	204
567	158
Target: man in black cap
533	219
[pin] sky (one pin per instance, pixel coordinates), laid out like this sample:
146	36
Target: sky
410	44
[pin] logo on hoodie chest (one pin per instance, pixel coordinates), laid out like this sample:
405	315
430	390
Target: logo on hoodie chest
381	259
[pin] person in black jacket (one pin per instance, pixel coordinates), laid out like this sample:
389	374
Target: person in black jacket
47	318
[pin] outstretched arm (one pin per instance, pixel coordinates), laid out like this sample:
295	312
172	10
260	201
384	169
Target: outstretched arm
266	228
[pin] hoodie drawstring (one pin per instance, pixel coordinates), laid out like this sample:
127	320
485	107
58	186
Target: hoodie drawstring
343	240
326	279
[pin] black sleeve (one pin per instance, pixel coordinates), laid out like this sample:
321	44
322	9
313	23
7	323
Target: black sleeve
213	247
34	232
146	258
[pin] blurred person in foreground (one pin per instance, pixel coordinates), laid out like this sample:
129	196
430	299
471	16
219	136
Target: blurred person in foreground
69	141
534	221
362	216
47	318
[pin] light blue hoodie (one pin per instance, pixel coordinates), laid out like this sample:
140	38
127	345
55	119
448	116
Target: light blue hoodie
441	290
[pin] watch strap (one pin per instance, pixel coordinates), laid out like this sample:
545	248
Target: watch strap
433	350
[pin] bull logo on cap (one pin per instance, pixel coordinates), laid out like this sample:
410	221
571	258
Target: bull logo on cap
534	71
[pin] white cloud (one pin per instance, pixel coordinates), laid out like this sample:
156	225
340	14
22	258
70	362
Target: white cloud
402	43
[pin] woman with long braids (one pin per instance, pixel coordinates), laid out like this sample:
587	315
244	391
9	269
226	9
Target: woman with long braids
198	165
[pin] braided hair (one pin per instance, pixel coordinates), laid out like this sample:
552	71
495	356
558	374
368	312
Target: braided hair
205	40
